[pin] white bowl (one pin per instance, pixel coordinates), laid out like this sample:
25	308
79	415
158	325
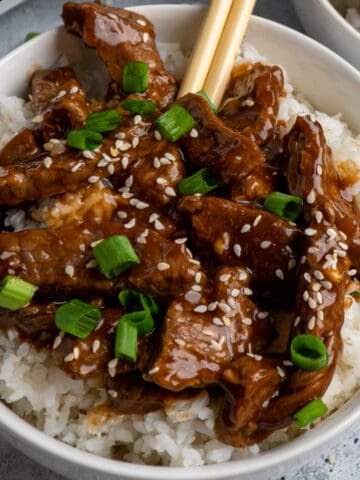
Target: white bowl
315	71
324	22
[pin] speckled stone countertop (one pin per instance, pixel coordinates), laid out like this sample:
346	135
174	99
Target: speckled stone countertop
340	462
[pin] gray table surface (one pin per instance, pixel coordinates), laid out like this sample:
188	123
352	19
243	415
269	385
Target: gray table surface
342	461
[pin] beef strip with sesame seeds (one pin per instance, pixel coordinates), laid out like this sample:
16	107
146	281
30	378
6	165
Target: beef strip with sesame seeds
252	100
22	148
242	235
226	324
59	259
119	37
59	101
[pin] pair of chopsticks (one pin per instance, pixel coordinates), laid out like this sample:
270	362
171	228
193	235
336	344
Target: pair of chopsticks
214	53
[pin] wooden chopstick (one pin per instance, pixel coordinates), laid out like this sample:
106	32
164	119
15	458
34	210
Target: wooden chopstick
211	63
204	50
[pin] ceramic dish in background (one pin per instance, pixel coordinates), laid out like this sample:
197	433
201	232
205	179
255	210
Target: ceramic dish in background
6	5
323	21
317	73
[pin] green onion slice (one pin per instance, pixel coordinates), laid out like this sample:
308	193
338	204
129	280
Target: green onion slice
129	298
135	77
175	122
30	36
84	139
146	108
308	352
77	318
15	293
115	255
106	121
313	410
207	98
126	340
200	182
355	293
283	205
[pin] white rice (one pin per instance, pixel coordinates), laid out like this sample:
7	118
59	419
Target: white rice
182	434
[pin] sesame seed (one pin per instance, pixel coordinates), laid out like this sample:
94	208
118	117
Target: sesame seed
142	23
91	264
331	233
111	169
194	133
95	242
135	141
214	345
224	307
312	303
247	291
76	353
257	220
129	181
170	156
96	345
319	170
120	135
180	342
279	273
227	321
88	154
306	295
158	225
318	275
247	321
164	161
112	372
113	363
287	363
313	250
245	228
69	270
157	135
102	163
212	306
320	315
242	276
57	342
297	321
193	261
311	323
200	309
224	277
93	179
196	288
198	276
235	292
326	284
310	199
340	253
309	232
352	272
319	298
47	162
265	244
231	302
122	214
162	266
280	372
217	321
76	167
319	216
221	341
237	249
125	162
130	224
145	37
37	119
316	286
307	277
343	245
153	217
180	241
156	369
170	192
113	393
122	146
142	205
69	357
209	333
263	315
137	119
113	16
161	181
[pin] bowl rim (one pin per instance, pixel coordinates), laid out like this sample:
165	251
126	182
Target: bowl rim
332	10
16	427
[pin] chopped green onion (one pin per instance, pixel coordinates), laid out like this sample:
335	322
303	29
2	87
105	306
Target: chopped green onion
115	255
207	98
313	410
126	340
175	122
283	205
146	108
84	139
308	352
142	320
15	293
355	293
200	182
77	318
30	36
103	121
130	298
135	77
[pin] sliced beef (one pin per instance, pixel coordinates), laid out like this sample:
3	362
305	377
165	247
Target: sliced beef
252	101
225	323
63	260
22	148
34	323
59	101
249	237
119	37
